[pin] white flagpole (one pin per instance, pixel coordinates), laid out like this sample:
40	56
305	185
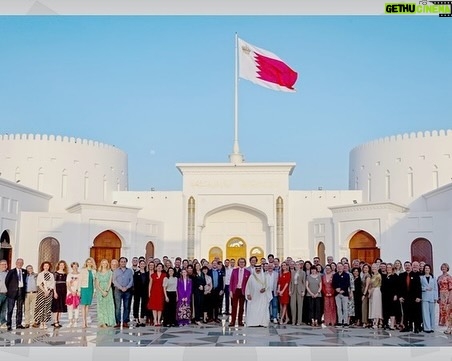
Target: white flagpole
236	157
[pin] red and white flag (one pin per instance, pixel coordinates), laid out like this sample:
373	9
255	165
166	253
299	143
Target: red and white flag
265	68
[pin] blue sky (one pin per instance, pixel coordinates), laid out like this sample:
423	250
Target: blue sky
161	88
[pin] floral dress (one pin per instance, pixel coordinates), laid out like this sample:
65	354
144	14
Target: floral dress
105	304
445	288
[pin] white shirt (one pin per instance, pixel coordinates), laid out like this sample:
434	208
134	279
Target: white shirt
227	277
241	272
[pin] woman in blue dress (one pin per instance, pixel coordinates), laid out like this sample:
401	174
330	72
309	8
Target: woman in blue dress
87	276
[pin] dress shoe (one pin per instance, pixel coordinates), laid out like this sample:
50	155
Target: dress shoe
9	328
404	330
241	324
117	325
125	325
35	325
20	327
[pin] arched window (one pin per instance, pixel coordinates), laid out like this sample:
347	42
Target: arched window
388	185
215	252
236	248
149	251
49	250
410	182
321	253
64	184
257	252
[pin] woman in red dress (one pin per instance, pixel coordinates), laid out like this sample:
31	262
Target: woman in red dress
329	307
283	292
156	301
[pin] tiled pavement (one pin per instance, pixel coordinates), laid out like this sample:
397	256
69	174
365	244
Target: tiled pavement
220	335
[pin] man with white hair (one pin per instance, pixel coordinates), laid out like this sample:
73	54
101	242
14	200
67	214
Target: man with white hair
258	296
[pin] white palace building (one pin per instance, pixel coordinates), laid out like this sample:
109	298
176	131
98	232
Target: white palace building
68	198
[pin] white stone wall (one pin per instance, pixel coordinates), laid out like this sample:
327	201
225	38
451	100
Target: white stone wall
403	167
72	170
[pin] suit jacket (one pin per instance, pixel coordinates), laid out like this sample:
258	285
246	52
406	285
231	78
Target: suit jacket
12	283
300	287
221	274
432	295
415	290
235	280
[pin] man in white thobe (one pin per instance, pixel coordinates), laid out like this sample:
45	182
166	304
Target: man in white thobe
258	295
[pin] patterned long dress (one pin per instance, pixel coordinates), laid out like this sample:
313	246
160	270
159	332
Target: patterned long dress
445	301
329	306
43	304
105	305
183	308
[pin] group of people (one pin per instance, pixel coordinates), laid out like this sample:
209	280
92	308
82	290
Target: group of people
159	293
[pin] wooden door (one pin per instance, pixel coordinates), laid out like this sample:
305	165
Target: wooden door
363	247
106	245
368	255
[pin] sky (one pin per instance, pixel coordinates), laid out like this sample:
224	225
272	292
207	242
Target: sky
161	88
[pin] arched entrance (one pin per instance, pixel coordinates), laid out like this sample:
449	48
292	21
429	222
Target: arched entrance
321	253
364	247
215	252
49	251
106	245
149	252
257	252
5	248
236	248
421	250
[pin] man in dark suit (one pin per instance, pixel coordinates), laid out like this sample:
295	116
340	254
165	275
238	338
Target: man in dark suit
410	294
217	275
15	282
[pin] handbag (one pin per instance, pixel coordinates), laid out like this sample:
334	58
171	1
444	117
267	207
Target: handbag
72	300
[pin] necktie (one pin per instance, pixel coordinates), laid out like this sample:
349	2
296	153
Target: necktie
408	281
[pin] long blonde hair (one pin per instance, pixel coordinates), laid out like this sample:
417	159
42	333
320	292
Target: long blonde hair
102	268
93	262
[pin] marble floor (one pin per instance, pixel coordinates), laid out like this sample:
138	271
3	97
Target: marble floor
209	335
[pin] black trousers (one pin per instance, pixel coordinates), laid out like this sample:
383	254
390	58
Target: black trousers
19	303
216	303
140	302
169	311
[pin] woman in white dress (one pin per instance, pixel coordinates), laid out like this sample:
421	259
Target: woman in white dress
375	300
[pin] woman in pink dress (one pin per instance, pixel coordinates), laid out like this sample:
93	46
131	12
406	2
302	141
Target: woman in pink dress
329	306
445	298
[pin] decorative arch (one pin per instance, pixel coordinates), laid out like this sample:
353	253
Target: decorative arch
106	245
49	250
215	252
5	247
236	205
422	250
363	246
236	248
321	253
258	252
149	252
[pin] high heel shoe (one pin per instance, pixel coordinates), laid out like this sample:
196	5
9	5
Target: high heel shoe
448	331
